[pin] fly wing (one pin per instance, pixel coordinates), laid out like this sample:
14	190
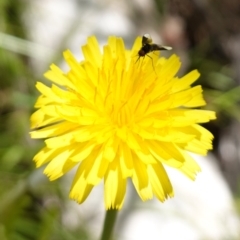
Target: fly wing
155	47
146	39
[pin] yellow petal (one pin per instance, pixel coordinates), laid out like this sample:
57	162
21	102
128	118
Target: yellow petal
114	187
60	164
126	160
186	81
56	75
80	189
160	182
190	168
83	150
54	130
92	52
141	181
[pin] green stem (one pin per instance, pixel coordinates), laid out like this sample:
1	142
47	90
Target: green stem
109	222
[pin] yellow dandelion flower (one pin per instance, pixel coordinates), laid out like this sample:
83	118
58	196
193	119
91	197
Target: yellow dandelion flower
115	119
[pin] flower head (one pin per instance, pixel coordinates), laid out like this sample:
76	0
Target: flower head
115	119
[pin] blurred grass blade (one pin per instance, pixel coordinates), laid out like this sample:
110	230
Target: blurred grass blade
24	47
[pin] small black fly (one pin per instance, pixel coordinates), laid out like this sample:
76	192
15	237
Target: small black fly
148	46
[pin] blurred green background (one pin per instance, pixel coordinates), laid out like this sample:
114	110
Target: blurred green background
204	33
